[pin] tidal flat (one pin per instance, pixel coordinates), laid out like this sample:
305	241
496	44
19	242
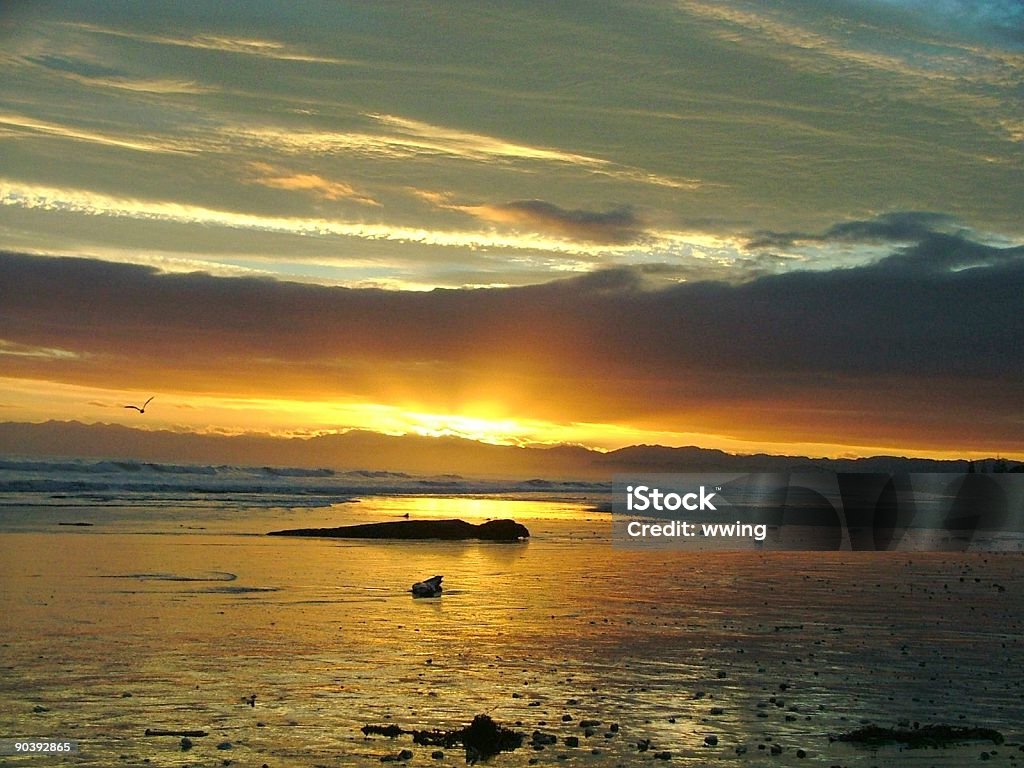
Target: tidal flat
281	650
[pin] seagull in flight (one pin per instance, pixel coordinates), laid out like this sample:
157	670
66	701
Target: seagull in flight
143	408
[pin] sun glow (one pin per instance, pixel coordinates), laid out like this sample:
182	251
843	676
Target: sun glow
37	401
482	430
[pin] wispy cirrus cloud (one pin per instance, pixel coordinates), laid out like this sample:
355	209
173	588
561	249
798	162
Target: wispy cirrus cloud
143	143
615	226
248	46
399	138
403	139
84	202
558	241
966	77
14	349
789	37
1005	18
314	184
90	74
162	87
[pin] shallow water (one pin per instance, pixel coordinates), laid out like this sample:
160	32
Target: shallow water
171	618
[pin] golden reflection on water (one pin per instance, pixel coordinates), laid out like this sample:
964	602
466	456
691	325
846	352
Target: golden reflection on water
474	508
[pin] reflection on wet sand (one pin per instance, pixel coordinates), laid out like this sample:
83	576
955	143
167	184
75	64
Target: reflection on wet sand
711	658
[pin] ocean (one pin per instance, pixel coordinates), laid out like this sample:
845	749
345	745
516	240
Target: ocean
138	596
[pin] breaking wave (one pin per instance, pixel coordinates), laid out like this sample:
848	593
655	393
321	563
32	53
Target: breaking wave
41	482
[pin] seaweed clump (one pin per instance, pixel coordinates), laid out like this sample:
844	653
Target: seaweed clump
925	736
482	739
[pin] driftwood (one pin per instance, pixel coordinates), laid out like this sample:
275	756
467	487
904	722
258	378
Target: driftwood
161	732
448	530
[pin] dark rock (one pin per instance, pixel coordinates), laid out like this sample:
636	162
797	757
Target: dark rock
711	740
437	754
666	755
186	743
487	738
448	530
427	588
572	741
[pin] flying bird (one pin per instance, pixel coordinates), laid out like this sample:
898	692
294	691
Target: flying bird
143	408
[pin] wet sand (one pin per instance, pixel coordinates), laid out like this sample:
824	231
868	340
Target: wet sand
110	630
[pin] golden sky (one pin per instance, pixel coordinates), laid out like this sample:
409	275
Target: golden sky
777	227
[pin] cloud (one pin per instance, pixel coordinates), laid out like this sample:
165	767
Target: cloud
1004	18
247	46
939	252
401	138
392	137
312	183
893	227
93	74
12	349
89	203
609	231
78	133
923	347
617	225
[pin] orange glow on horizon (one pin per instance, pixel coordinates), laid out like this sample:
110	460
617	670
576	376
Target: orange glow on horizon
35	401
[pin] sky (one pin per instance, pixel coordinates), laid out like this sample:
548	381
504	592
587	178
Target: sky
791	227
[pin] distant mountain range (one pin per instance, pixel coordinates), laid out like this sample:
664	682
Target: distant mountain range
427	455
